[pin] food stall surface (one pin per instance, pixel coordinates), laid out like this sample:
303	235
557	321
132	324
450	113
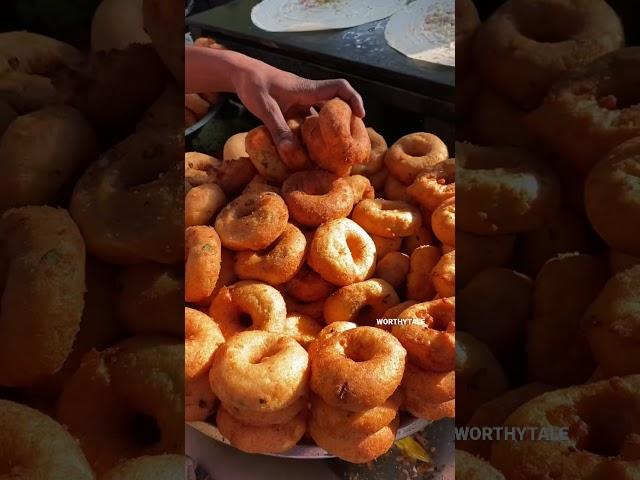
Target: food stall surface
359	53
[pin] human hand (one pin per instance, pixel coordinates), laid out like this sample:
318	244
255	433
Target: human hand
273	95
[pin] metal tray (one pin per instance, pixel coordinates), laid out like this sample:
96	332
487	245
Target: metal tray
408	426
204	120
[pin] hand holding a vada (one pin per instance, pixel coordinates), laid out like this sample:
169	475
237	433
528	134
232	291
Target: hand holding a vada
270	94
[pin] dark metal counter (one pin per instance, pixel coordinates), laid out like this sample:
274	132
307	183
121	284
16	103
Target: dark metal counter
359	54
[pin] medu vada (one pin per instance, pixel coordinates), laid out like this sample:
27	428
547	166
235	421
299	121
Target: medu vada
601	420
362	302
470	467
429	395
591	111
387	218
264	439
202	262
524	47
490	179
202	338
279	263
260	371
252	221
129	203
43	264
248	304
58	141
127	401
343	422
564	288
430	345
36	446
355	448
376	157
315	197
612	324
358	369
158	467
612	197
412	153
342	252
335	138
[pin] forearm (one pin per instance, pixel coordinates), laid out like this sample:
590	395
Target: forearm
211	70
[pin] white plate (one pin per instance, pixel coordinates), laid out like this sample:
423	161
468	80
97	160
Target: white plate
408	427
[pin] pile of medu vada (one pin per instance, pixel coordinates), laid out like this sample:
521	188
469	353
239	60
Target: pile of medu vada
293	268
549	270
91	334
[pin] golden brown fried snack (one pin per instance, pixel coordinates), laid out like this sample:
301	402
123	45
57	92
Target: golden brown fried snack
523	48
129	203
259	371
413	153
591	111
602	429
361	302
127	401
612	197
277	264
495	307
557	349
430	345
357	369
336	138
42	152
315	197
479	376
25	433
252	221
248	305
612	322
28	65
43	259
342	252
503	190
202	262
495	412
469	467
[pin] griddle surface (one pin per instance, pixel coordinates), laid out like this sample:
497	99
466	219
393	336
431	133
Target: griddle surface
360	51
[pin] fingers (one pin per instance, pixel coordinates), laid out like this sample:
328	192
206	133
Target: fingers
283	138
271	115
323	90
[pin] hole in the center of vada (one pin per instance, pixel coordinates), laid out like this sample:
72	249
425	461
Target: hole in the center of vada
245	320
365	316
142	173
356	354
355	247
606	423
144	429
265	355
415	149
548	23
